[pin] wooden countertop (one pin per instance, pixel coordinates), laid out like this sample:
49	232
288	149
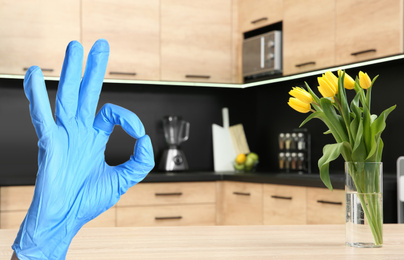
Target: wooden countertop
222	242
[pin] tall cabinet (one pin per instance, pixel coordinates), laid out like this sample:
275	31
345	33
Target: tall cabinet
36	33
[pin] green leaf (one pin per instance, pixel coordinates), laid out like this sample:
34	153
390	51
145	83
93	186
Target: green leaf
311	116
334	120
330	153
315	97
376	129
327	132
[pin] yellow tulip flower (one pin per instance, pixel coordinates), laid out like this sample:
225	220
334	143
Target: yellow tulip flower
364	80
328	84
301	94
349	83
298	105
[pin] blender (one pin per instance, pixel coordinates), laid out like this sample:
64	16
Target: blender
176	131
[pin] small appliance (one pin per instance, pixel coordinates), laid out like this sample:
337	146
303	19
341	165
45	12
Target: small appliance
262	55
176	131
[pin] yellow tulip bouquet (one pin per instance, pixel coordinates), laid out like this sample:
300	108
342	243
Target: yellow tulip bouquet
356	131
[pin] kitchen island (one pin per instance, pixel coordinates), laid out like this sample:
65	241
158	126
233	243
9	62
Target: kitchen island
222	242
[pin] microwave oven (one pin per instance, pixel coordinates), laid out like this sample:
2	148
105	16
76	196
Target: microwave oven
262	55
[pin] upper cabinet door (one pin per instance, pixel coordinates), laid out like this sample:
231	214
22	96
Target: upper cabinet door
308	36
254	14
196	40
368	29
36	33
132	29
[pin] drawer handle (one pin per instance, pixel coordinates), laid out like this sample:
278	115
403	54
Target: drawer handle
259	20
242	193
281	197
198	76
168	194
168	218
329	202
362	52
122	73
305	64
43	69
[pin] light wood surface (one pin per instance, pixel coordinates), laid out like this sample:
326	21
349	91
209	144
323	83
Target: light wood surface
222	242
132	29
37	33
196	40
325	206
284	204
254	14
308	36
368	25
146	194
240	203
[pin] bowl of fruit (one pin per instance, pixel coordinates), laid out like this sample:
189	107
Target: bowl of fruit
246	162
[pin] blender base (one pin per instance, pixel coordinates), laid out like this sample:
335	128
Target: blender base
173	160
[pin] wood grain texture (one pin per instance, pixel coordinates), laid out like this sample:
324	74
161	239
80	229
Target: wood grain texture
222	242
321	212
36	33
254	14
364	25
240	204
147	194
308	36
196	39
284	204
132	28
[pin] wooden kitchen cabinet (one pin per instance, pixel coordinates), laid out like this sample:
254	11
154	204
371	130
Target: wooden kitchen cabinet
240	203
368	29
254	14
325	206
15	201
308	36
178	203
196	41
284	204
36	33
132	28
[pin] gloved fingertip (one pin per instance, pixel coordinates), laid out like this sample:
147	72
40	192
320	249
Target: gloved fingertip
30	73
74	45
101	45
143	152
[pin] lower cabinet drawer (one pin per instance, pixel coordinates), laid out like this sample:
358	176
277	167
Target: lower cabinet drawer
325	206
284	205
173	215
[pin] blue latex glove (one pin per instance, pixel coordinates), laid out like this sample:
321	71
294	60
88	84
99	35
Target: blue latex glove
74	183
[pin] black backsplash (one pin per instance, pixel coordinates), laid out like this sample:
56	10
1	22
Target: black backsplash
263	111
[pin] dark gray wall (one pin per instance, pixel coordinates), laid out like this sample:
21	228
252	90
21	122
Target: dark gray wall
263	110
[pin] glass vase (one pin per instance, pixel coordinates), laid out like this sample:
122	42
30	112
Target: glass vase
364	204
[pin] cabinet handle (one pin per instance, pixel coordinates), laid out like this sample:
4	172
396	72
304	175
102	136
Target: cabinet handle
122	73
362	52
259	20
306	63
168	194
329	202
168	218
281	197
242	193
43	69
198	76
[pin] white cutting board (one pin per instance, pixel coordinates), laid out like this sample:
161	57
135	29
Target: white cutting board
223	149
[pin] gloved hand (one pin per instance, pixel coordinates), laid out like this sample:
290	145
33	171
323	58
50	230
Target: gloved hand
74	183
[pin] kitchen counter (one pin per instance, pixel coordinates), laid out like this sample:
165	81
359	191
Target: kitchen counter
222	242
309	180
